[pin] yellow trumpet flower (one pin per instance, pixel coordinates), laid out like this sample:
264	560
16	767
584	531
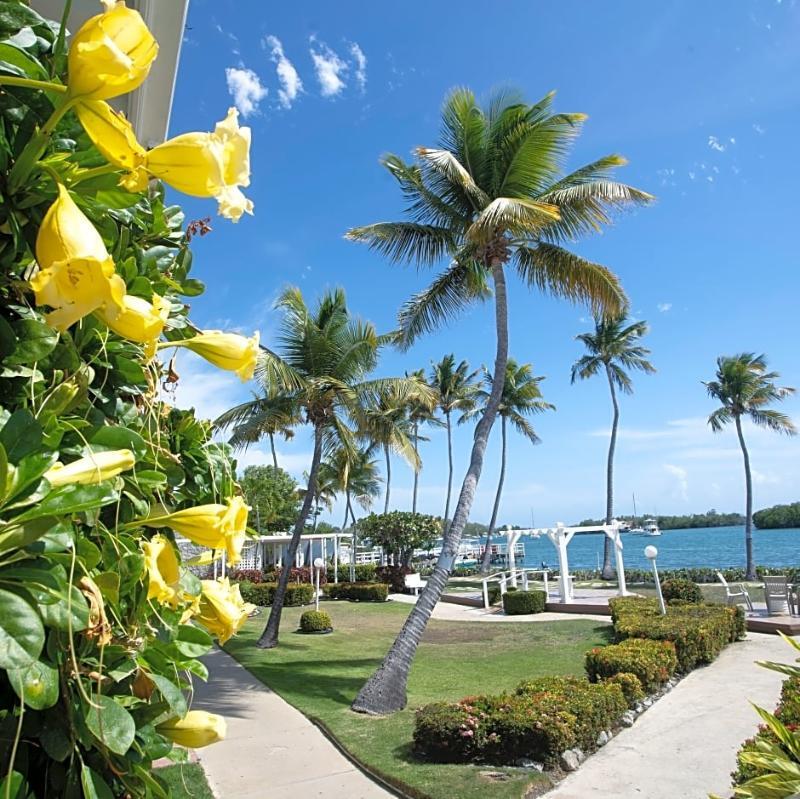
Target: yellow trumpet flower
203	165
139	320
111	133
197	728
91	469
163	569
111	53
222	610
228	351
214	526
76	274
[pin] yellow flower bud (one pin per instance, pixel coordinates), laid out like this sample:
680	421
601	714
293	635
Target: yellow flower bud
197	728
76	274
214	526
111	54
92	469
203	165
222	610
111	133
139	320
163	569
228	351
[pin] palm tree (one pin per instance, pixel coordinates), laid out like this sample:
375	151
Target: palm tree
745	388
419	413
327	355
455	388
492	196
521	398
612	348
269	415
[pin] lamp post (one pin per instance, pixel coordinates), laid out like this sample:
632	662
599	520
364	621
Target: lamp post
318	564
651	553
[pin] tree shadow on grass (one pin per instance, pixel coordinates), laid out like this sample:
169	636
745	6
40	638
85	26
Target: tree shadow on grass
606	632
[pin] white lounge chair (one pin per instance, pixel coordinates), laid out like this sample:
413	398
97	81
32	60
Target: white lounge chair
414	582
735	595
778	594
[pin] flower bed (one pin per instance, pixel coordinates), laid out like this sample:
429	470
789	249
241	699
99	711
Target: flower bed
359	592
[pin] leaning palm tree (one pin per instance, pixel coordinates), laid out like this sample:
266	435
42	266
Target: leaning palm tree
419	413
491	198
521	397
455	388
613	348
745	388
326	356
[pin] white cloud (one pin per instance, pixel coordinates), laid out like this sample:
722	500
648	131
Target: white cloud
291	84
715	144
758	129
329	68
245	88
681	479
663	307
361	65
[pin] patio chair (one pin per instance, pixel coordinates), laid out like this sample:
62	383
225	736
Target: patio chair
735	595
779	595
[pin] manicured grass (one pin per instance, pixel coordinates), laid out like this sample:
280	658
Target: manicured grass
186	781
320	675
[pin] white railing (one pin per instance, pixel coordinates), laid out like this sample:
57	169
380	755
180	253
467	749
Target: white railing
514	579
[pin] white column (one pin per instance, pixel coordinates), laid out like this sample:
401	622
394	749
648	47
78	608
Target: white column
512	536
561	538
617	540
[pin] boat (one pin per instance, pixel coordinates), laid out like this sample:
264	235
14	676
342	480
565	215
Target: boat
651	527
635	529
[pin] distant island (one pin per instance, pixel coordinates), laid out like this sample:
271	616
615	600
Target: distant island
778	516
686	522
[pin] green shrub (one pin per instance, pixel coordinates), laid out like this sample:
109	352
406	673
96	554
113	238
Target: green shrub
519	603
315	621
364	572
261	594
542	719
359	592
630	684
699	632
653	662
493	590
678	588
395	576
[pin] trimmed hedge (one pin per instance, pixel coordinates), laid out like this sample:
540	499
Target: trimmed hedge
359	592
700	574
631	686
364	572
699	632
315	621
519	603
542	719
261	594
395	576
678	588
652	662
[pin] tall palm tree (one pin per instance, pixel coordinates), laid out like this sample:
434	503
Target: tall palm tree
745	388
419	413
326	356
455	388
269	414
521	397
612	348
493	196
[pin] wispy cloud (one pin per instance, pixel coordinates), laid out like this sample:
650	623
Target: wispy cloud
291	84
681	480
663	307
245	88
329	68
361	65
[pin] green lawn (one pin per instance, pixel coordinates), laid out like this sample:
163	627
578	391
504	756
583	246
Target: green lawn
186	781
320	675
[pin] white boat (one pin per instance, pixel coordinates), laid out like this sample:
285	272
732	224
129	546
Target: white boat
636	529
651	527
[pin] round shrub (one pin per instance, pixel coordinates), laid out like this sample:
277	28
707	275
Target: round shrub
630	684
653	662
520	603
315	621
682	590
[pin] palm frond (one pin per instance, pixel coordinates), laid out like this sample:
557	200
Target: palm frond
424	245
452	170
520	217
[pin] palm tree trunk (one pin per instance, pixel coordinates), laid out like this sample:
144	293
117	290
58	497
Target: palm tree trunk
385	691
353	541
269	638
416	471
608	570
346	510
274	454
750	568
316	515
388	477
449	469
486	554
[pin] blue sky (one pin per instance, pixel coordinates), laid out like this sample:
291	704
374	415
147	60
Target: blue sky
702	98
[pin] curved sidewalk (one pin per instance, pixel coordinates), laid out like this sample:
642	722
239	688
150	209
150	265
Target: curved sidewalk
271	749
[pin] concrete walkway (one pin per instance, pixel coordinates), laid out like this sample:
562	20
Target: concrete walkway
685	745
271	750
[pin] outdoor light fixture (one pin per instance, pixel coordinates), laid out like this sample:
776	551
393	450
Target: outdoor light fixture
651	553
318	565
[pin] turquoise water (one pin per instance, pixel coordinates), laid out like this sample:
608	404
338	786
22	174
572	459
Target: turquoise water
720	547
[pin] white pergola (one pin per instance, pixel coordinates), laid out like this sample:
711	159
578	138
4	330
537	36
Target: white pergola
560	536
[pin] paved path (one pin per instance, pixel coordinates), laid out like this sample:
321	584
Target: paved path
685	745
271	750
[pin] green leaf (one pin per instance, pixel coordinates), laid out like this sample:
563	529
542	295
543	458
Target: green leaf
21	435
13	786
69	613
21	632
36	684
94	786
173	695
14	536
192	287
18	58
8	341
71	499
110	438
27	476
108	583
54	739
193	642
3	472
110	724
36	340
